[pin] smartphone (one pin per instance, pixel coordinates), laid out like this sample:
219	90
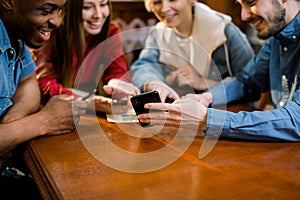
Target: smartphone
138	102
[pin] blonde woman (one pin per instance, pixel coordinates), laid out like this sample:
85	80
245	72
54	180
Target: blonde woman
183	47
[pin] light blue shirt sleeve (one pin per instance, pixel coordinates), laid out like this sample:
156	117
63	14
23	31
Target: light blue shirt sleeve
278	56
229	90
147	66
243	84
272	125
240	50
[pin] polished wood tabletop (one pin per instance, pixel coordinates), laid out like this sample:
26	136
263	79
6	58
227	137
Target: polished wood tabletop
64	168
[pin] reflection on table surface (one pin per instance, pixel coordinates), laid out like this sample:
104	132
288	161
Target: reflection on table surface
65	168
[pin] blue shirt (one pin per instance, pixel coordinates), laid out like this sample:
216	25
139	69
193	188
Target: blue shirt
12	68
277	62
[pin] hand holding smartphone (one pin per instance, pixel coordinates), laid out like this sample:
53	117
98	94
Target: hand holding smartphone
89	95
138	102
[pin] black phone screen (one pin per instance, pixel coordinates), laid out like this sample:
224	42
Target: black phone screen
138	102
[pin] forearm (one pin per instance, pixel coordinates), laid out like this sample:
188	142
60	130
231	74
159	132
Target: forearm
25	101
145	73
227	91
147	66
272	125
58	116
16	132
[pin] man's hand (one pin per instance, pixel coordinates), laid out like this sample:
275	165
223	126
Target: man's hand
62	113
187	112
204	98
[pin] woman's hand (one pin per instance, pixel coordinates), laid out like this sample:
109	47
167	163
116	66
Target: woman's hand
163	89
189	76
100	104
117	85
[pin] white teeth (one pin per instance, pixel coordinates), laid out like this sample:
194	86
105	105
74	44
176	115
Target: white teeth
45	33
257	22
95	23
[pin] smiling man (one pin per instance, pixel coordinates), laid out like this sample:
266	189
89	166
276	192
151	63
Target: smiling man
32	21
22	23
275	68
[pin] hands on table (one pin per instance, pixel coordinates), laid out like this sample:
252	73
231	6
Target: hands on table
189	76
163	89
190	111
103	104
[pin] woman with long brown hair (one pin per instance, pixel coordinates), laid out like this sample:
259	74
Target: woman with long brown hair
85	49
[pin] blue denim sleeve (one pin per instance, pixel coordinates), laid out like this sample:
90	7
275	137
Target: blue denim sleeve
249	83
240	50
147	66
271	125
229	90
27	63
255	75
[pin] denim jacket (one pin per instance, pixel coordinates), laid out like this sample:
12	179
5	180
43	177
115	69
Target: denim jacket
12	68
275	68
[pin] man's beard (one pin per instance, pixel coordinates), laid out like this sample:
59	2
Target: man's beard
276	20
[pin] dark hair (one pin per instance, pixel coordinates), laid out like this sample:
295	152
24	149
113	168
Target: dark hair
69	40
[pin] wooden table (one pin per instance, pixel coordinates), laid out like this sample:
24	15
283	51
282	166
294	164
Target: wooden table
64	169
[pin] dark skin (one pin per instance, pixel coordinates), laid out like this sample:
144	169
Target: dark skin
32	21
26	19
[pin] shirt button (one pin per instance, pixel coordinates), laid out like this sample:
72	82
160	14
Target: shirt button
11	52
283	77
281	103
285	48
294	37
